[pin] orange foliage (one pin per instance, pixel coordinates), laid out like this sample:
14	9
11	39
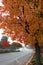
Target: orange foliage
15	27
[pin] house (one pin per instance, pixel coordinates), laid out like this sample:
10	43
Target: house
4	42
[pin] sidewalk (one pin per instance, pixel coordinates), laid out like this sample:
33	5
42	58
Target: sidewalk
29	60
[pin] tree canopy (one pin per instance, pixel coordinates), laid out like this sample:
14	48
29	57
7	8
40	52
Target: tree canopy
22	20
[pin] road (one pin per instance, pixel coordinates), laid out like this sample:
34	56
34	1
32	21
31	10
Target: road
15	58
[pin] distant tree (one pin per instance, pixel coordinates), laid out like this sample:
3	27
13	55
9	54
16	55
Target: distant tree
16	45
4	38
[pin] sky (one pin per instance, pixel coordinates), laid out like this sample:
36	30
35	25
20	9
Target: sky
1	4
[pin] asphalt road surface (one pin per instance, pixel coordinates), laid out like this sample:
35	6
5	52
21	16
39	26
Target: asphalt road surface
15	58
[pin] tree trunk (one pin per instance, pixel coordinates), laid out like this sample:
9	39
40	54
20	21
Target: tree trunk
37	50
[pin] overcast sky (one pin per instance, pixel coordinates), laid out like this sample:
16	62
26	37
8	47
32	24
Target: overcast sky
1	4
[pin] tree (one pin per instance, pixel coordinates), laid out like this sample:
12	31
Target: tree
24	20
16	45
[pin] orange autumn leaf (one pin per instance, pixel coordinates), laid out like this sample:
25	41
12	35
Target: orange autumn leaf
13	18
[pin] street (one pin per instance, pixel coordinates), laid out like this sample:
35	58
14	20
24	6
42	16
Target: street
15	58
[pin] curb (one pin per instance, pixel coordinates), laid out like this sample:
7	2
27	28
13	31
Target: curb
26	63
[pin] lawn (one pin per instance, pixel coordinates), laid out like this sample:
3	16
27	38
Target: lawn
8	51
